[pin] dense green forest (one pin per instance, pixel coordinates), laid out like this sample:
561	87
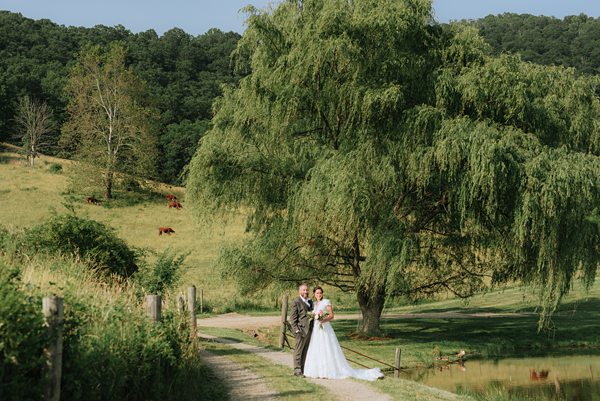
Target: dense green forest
184	73
573	41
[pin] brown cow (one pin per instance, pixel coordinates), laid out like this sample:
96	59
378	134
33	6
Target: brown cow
538	375
175	204
165	230
171	197
91	200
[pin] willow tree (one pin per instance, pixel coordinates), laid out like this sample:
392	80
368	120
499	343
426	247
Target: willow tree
381	153
110	125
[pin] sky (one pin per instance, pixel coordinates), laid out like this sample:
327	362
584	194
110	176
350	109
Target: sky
197	16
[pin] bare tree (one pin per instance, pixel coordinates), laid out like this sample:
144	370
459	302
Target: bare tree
35	122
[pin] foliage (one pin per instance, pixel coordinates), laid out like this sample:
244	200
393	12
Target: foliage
389	156
109	128
55	168
572	41
163	275
90	240
177	146
22	339
183	73
110	349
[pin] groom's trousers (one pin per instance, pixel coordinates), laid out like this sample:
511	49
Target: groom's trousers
300	351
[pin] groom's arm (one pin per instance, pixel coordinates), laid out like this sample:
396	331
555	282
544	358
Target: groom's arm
295	318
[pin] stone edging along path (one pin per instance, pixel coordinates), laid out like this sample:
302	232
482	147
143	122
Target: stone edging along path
343	390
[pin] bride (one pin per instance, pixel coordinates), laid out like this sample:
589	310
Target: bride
324	358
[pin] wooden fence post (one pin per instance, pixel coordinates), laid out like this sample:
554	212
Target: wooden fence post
153	306
180	303
201	300
284	307
52	308
397	368
191	304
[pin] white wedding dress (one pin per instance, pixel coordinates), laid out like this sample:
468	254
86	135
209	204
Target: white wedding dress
325	359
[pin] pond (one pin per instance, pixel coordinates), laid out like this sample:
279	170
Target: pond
573	378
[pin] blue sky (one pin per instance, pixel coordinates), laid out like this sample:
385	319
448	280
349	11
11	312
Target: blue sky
197	16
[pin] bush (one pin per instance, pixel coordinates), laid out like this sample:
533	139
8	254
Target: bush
164	274
87	239
55	168
22	340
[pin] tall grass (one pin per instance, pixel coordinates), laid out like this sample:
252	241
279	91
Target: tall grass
111	350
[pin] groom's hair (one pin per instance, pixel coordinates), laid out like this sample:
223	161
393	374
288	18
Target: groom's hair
301	284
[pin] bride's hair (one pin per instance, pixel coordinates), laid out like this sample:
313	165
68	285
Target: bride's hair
317	288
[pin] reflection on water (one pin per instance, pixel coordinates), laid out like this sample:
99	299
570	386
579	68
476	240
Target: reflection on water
574	378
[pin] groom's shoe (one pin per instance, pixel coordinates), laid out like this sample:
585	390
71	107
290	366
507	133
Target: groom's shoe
298	373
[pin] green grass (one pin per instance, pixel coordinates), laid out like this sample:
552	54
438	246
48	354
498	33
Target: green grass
110	346
574	331
278	378
398	389
29	195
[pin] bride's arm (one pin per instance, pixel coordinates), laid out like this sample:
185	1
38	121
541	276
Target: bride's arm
330	311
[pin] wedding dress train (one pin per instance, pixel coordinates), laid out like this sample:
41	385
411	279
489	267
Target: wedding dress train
325	359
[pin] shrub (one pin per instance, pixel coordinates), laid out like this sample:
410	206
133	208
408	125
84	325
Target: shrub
22	339
84	238
55	168
163	275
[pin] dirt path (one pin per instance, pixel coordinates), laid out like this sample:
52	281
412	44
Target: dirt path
238	321
243	383
343	390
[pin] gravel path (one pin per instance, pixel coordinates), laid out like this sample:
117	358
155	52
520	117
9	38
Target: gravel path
343	390
243	383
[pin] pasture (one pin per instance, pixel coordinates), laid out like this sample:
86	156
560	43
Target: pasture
29	195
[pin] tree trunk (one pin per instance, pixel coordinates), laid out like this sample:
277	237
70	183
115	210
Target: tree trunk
108	183
371	295
371	301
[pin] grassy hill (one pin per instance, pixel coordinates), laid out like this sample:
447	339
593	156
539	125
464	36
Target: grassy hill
29	195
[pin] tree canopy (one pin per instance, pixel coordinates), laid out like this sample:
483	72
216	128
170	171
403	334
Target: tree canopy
387	155
573	41
110	126
183	73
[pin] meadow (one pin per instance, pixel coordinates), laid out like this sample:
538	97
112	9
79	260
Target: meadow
29	195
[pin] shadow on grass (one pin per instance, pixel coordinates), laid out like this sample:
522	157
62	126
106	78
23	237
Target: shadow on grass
574	331
10	159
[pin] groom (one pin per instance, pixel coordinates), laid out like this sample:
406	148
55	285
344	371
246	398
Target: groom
302	326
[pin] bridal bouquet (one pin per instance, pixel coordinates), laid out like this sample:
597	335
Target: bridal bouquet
320	316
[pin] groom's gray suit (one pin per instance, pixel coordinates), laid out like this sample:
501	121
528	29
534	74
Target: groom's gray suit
302	326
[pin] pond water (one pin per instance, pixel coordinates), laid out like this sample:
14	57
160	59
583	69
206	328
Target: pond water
573	378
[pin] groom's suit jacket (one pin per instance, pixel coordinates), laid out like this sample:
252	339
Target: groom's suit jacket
299	318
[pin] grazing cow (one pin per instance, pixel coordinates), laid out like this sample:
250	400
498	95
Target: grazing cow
175	204
538	375
91	200
171	197
165	230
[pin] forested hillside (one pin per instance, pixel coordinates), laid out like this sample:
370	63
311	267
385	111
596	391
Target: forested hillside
183	74
573	41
